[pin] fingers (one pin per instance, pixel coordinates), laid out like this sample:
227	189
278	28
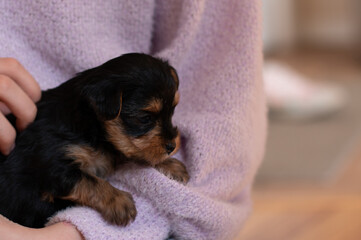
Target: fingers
7	136
17	101
11	68
18	93
60	230
4	109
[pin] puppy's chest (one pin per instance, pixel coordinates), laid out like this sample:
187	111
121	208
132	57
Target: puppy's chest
92	161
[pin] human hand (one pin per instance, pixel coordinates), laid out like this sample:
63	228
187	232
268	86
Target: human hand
58	231
18	93
62	230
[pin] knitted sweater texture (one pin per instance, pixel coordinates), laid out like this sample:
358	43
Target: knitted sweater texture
216	48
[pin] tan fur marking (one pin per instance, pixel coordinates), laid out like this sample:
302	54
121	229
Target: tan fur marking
174	75
177	144
47	197
90	160
155	106
173	169
115	206
149	147
120	104
120	140
152	146
176	99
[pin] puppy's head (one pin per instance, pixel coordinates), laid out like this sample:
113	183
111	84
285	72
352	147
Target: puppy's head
134	96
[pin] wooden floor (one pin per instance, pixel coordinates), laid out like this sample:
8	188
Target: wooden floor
305	211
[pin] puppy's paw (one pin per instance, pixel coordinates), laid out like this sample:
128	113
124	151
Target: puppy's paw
174	169
120	209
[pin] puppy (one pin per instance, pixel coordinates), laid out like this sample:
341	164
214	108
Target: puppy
102	118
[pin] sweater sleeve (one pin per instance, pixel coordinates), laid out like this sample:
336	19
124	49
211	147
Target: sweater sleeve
216	48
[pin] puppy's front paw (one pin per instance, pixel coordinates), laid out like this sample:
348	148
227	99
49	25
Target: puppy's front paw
120	209
174	169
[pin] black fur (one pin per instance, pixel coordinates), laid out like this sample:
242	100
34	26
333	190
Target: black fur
74	113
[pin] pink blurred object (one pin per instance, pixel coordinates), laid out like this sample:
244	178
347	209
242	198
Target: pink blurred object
293	96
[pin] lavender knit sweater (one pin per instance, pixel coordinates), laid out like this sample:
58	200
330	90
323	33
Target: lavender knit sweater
216	48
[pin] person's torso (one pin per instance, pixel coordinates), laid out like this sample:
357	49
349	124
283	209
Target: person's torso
56	39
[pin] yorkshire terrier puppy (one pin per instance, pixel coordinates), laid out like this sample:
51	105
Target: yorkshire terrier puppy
102	118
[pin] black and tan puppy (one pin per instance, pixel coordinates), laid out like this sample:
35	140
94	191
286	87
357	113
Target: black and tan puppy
118	112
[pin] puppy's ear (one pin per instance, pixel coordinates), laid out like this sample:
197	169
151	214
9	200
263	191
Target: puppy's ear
105	97
174	74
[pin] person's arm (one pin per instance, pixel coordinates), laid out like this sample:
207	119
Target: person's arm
18	93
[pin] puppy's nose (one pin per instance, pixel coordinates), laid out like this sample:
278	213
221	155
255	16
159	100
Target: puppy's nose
170	147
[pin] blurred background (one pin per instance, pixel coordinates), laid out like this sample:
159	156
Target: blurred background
309	186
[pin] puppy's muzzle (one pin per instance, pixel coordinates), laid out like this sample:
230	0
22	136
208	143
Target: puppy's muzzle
170	147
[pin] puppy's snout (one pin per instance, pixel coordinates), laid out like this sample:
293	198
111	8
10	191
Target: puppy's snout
170	147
